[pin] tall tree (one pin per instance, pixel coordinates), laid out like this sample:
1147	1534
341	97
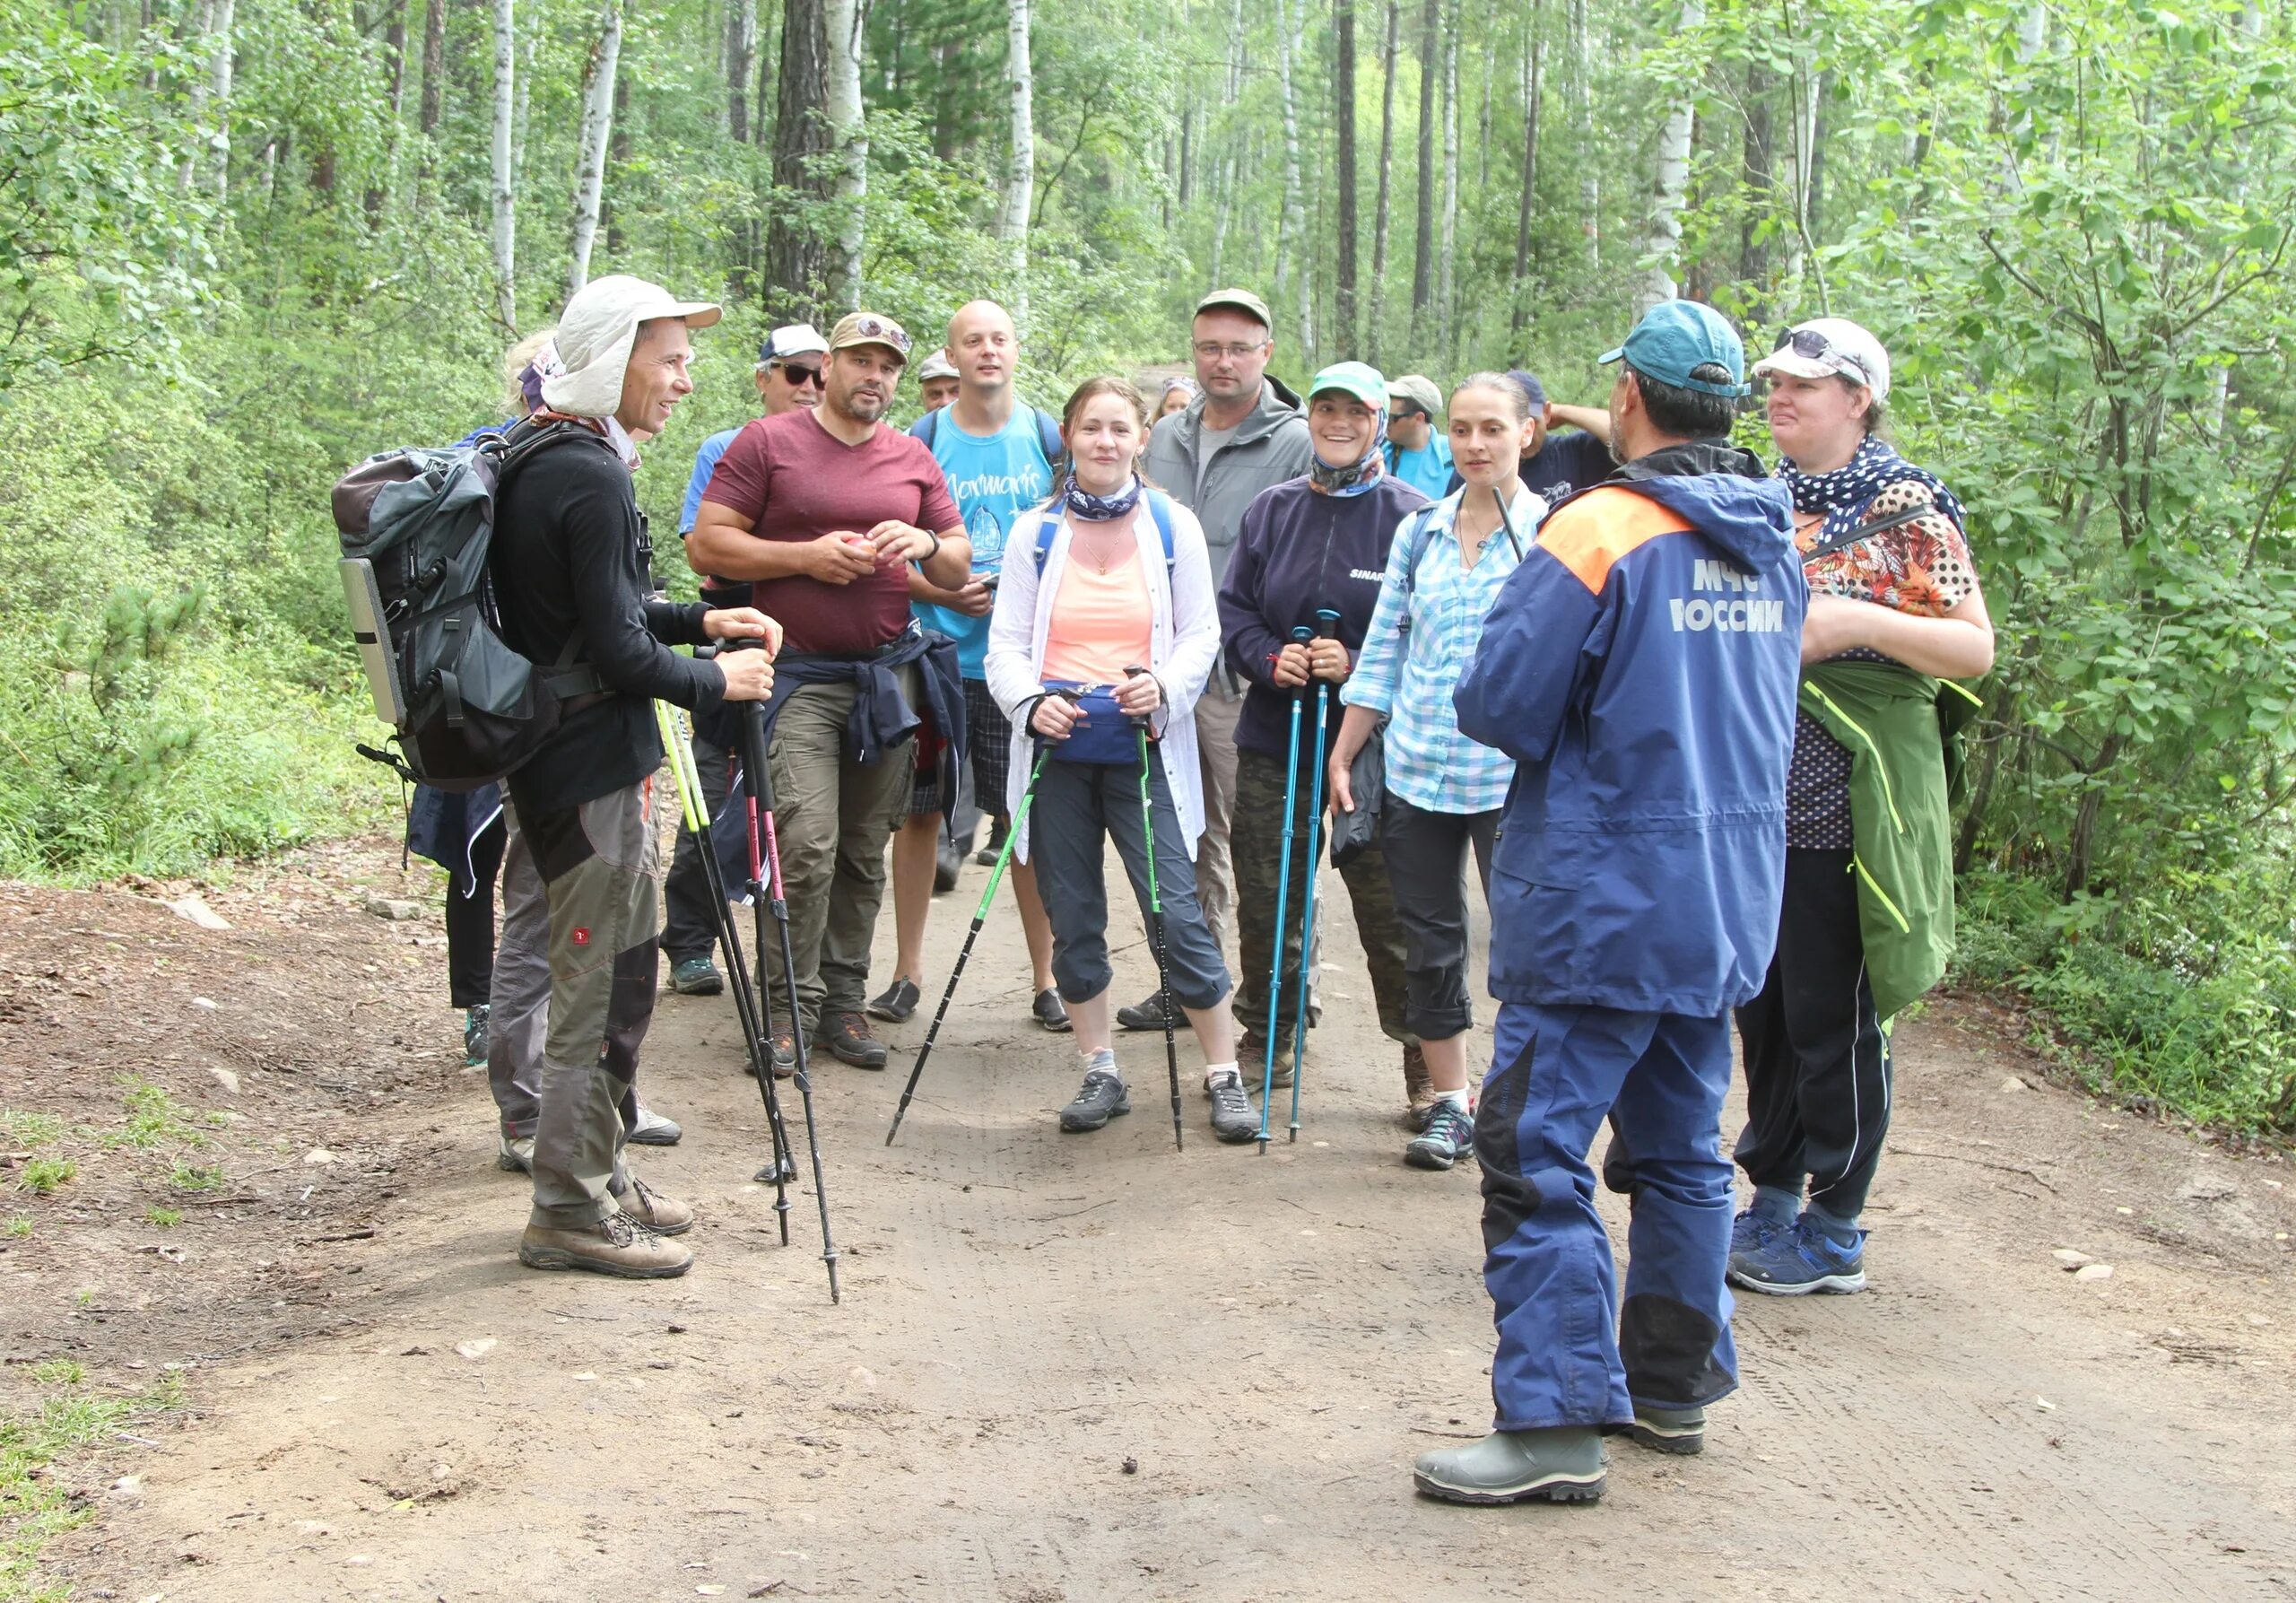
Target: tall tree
1446	277
506	175
1582	127
597	129
796	254
203	20
1343	96
1801	140
1291	242
1379	212
741	51
842	23
219	103
1422	269
1020	162
1527	202
1662	232
434	62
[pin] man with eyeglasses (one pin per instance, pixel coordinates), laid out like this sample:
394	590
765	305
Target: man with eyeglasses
1243	432
788	376
822	512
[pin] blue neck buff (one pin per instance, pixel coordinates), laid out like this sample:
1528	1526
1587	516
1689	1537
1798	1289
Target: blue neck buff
1099	509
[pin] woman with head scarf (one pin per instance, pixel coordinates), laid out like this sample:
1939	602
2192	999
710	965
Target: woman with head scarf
1866	925
1314	544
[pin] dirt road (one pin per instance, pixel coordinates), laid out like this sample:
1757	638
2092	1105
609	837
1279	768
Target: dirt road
1092	1368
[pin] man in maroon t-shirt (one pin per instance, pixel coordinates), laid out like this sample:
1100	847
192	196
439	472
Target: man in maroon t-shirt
819	513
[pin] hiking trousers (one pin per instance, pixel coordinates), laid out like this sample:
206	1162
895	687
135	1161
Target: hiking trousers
832	816
574	989
1568	1354
1818	1070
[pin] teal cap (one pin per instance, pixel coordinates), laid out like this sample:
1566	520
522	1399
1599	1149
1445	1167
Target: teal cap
1357	378
1688	345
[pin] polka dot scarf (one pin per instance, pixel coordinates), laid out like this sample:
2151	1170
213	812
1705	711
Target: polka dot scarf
1842	494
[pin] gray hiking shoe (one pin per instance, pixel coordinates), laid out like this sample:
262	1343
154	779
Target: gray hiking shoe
654	1130
1449	1136
515	1154
1562	1465
1102	1098
1232	1119
617	1245
696	977
1668	1430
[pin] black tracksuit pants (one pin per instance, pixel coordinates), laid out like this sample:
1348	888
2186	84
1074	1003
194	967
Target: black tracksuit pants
1817	1059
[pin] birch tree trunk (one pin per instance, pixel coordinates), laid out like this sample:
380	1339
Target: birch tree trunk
506	178
1290	242
1342	94
849	136
1446	279
1526	204
218	104
1662	233
1422	268
195	103
597	129
434	62
1801	120
1582	129
1379	218
1021	165
741	55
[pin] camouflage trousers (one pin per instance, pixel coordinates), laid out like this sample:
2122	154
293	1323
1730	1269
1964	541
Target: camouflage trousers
1257	851
579	960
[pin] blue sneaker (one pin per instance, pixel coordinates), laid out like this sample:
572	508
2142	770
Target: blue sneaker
1801	1261
1752	1230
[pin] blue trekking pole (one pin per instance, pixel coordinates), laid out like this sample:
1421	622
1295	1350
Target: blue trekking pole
1301	636
1326	620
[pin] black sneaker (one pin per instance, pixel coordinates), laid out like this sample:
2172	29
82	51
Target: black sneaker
987	856
946	862
898	1002
1232	1119
1102	1098
476	1040
696	977
1050	1013
1449	1136
846	1036
1148	1014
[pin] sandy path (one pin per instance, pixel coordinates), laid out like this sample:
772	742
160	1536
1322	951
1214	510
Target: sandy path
1088	1367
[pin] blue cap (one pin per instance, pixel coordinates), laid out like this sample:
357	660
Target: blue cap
1677	338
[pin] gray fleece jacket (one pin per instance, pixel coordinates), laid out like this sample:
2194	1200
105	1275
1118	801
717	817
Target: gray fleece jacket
1270	445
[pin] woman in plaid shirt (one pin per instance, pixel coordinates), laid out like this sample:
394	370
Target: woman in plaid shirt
1444	792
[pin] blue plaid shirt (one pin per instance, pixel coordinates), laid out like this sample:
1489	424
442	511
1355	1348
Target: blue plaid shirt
1409	676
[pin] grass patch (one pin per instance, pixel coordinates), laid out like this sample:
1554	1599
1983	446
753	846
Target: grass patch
28	1131
15	1227
197	1177
166	1218
154	1120
32	1506
41	1176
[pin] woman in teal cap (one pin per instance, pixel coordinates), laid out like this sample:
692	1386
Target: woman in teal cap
1314	545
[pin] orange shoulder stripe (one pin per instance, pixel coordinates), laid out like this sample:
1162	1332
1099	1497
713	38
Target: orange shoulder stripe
1603	525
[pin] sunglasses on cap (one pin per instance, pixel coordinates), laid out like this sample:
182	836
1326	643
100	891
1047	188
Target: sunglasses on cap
1811	345
872	327
800	372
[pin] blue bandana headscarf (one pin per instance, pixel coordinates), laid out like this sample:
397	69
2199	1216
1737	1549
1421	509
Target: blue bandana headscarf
1099	509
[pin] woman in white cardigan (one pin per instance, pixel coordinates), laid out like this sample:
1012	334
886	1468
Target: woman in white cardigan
1106	580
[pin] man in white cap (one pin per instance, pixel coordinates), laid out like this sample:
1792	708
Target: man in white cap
788	377
936	381
822	512
570	567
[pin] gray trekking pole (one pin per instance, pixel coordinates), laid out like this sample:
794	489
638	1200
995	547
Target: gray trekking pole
1327	621
760	770
1156	926
1283	901
980	917
756	1022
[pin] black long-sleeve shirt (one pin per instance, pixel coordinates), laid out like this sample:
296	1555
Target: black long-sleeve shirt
571	558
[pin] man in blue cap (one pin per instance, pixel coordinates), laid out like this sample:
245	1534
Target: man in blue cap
1640	668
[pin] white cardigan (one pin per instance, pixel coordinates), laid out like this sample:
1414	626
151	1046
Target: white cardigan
1184	641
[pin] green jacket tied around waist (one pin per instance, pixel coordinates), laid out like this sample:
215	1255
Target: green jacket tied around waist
1902	730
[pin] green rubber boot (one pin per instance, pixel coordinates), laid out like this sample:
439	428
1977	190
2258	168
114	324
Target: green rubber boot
1561	1464
1669	1430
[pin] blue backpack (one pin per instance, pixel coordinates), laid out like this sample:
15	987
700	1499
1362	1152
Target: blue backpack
1048	433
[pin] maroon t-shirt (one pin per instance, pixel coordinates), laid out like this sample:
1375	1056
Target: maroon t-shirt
796	480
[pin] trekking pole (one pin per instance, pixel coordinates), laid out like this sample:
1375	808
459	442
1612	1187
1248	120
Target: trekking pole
1156	929
755	764
1301	636
754	1023
1327	621
979	916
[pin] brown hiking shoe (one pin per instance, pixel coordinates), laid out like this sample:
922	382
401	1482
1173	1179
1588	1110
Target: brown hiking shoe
783	1050
664	1216
1418	1088
616	1245
846	1036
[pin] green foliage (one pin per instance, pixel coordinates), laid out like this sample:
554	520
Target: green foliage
197	1177
165	1218
15	1227
154	1120
29	1129
35	1505
41	1176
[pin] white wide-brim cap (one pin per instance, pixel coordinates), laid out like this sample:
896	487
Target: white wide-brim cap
595	334
1843	339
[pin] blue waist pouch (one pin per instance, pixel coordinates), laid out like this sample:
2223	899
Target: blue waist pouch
1106	736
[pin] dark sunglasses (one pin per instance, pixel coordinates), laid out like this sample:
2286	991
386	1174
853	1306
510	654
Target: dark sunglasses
800	372
1404	409
1811	345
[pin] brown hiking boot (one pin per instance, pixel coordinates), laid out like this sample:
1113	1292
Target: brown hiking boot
1418	1089
664	1216
616	1245
783	1050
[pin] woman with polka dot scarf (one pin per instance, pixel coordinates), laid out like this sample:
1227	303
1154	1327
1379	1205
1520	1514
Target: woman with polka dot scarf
1885	550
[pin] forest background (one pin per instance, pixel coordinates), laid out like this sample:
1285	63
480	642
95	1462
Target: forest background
244	243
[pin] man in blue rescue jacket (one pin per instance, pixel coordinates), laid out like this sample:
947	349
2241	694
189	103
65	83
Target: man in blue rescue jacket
1640	668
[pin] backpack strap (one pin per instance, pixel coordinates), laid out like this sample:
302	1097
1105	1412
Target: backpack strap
928	427
1048	439
1413	554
